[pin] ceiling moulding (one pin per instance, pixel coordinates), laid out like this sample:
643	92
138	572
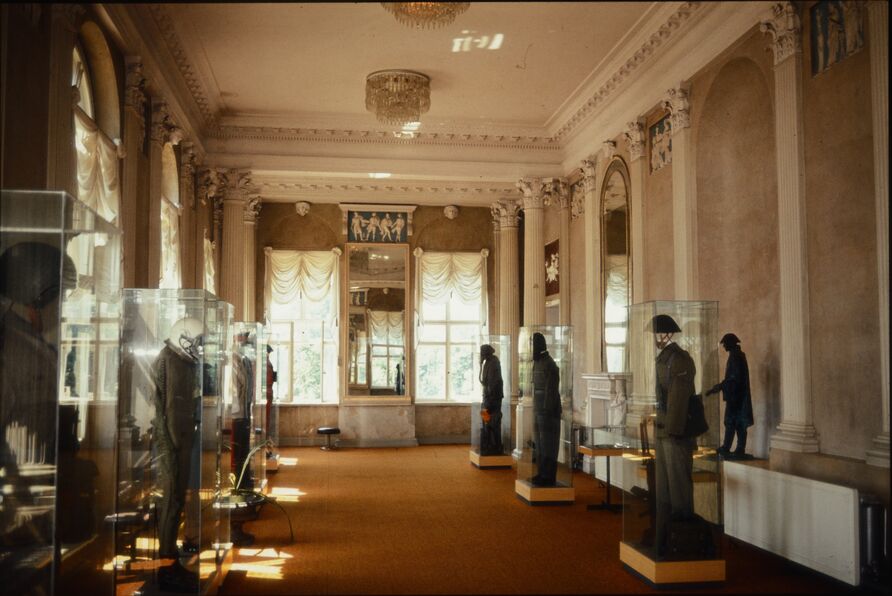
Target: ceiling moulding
604	86
330	135
424	194
133	39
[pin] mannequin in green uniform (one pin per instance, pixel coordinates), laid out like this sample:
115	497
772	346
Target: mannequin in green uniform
546	412
493	393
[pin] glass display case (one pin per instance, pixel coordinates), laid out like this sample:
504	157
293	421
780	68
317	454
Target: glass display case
672	487
491	414
60	300
545	367
245	385
275	379
171	530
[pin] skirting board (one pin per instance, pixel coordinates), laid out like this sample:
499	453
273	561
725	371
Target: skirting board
672	572
810	522
546	495
491	461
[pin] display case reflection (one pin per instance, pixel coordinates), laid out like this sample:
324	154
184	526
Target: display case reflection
59	317
376	333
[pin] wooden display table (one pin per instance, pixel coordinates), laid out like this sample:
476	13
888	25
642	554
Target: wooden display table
607	451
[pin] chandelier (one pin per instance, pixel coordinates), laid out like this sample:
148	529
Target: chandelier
397	97
426	15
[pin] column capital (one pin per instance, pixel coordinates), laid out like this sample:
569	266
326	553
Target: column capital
187	159
496	218
634	136
608	149
557	192
134	85
252	209
509	212
161	123
234	184
577	200
533	189
679	108
589	174
785	29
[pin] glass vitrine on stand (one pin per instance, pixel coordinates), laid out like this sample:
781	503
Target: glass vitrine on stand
672	493
491	415
171	528
60	299
259	444
545	366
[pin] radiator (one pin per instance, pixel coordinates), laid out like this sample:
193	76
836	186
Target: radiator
812	523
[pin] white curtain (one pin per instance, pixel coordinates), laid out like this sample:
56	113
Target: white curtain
97	168
293	275
209	274
444	274
386	327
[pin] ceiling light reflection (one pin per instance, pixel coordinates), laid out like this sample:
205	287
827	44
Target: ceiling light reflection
471	42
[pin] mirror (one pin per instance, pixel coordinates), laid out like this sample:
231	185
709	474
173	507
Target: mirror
376	331
615	264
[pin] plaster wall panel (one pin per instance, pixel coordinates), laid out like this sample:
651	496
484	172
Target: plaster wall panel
441	424
737	224
842	267
377	425
298	424
659	276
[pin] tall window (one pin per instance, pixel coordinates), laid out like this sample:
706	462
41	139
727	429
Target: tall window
452	309
170	220
387	347
301	300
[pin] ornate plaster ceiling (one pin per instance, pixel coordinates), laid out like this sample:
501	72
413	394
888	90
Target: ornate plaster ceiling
280	89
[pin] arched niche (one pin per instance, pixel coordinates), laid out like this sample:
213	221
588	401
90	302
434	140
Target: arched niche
616	264
106	100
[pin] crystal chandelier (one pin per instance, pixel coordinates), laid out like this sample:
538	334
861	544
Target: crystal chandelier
397	97
426	15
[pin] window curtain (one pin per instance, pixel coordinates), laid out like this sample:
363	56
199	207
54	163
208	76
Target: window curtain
97	168
209	274
444	274
386	327
293	275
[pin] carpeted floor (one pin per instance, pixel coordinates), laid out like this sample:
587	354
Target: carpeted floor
423	520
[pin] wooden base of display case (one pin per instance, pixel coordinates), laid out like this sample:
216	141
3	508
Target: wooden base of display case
544	495
491	461
672	572
272	464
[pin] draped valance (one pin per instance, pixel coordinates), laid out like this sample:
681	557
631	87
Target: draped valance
442	275
97	168
294	275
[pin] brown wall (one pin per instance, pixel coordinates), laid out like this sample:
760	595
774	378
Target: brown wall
733	120
842	267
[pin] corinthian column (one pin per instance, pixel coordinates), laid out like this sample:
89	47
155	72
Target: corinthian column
533	251
61	166
592	174
235	186
190	238
252	212
684	195
157	137
637	175
509	291
878	27
132	203
494	324
796	431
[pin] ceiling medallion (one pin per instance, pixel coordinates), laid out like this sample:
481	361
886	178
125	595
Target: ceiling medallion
425	15
397	97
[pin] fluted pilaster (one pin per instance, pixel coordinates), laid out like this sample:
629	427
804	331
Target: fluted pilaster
684	194
495	322
878	28
135	252
252	212
796	431
533	251
592	173
509	291
189	236
158	132
637	177
234	193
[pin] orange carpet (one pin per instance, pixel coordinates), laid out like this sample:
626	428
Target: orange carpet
424	521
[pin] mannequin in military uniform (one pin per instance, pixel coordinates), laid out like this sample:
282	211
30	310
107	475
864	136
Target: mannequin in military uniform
491	409
674	451
735	390
177	375
243	383
546	412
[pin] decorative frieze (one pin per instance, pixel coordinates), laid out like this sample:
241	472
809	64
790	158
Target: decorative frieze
634	136
785	29
679	108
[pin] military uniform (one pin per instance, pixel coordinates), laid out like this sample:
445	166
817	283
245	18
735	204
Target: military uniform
674	451
735	390
242	380
177	394
493	393
547	413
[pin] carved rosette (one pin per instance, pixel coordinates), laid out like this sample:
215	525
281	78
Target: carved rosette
634	136
450	211
679	108
534	192
785	29
589	175
509	212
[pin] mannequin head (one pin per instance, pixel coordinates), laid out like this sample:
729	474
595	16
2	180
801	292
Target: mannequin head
539	346
663	327
187	336
486	351
730	342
